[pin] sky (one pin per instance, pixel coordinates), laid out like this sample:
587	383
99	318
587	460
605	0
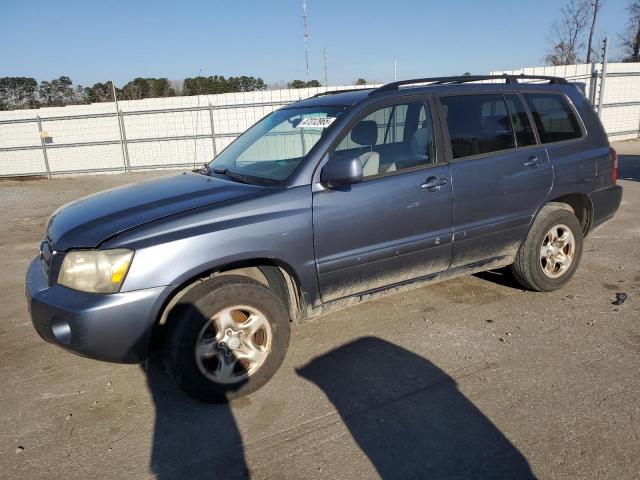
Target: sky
93	41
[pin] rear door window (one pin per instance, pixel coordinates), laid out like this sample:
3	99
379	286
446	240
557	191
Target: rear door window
477	124
520	121
554	118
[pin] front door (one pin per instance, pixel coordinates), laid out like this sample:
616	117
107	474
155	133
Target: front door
395	225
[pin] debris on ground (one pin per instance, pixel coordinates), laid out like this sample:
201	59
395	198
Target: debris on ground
621	297
20	449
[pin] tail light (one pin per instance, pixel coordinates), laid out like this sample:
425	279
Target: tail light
614	164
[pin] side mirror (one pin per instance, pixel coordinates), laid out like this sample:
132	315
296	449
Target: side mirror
341	172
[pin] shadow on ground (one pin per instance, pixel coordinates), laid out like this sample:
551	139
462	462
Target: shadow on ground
406	415
629	167
192	440
501	276
409	417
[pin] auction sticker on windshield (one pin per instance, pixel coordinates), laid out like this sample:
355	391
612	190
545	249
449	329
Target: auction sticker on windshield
316	122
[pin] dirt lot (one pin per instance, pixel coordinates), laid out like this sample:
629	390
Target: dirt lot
467	376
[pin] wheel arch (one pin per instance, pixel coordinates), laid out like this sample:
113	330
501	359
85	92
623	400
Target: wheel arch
577	203
280	277
581	206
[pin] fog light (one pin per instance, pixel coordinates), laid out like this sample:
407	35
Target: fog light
61	330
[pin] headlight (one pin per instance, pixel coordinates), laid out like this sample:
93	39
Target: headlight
95	271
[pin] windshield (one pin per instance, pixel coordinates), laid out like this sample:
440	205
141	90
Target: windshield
273	148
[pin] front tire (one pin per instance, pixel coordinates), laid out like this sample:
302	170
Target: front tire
227	337
551	253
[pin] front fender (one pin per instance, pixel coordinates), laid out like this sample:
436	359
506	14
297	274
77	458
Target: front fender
275	227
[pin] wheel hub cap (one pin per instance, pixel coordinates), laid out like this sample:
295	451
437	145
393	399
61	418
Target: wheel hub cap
233	344
557	251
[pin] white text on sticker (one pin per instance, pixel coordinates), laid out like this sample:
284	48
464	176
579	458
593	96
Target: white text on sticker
316	122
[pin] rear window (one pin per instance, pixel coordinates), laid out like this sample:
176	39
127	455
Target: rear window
477	124
554	118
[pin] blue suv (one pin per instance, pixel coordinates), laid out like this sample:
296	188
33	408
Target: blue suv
322	204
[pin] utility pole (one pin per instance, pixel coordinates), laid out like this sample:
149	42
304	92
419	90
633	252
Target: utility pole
596	8
603	74
395	70
113	91
123	137
324	56
306	34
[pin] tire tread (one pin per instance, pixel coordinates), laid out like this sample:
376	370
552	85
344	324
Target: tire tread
526	263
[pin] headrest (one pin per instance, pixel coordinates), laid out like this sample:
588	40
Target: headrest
421	140
365	133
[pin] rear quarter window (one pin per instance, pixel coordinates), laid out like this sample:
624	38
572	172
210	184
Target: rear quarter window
554	118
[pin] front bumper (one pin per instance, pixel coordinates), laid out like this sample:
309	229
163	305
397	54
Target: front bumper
115	327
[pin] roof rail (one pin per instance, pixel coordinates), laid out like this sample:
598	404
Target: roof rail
465	79
344	90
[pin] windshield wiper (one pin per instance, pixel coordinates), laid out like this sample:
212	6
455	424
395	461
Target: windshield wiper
248	179
233	176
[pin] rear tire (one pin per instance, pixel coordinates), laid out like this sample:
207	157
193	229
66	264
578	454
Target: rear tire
227	337
551	252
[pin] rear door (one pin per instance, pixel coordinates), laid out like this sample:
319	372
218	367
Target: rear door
395	225
500	173
575	160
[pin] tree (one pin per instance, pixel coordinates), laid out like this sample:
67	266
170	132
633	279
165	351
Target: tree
57	92
18	92
79	95
568	33
250	84
303	84
136	89
630	39
360	81
596	6
102	92
297	84
219	84
24	92
140	88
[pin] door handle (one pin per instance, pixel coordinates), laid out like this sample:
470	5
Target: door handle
433	184
532	162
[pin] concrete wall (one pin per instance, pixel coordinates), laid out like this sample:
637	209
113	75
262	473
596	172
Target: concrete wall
16	158
171	118
621	112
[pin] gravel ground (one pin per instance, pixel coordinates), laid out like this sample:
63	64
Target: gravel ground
465	378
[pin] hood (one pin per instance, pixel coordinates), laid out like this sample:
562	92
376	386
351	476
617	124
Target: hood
89	221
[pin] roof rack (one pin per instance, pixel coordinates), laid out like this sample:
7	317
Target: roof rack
344	90
465	79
